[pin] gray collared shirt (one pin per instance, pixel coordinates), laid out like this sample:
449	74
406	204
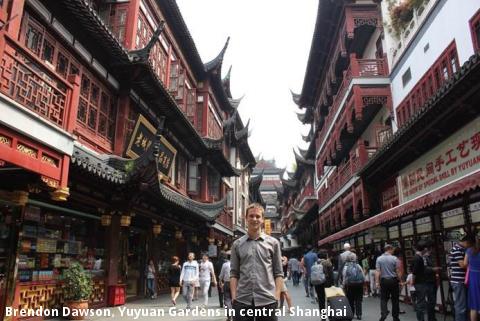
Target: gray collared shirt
256	264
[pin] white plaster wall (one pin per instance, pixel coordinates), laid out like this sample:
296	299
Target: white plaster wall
449	21
369	52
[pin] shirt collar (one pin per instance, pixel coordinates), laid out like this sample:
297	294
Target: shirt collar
261	237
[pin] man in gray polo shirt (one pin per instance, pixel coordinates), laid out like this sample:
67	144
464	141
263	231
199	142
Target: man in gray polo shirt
256	275
388	276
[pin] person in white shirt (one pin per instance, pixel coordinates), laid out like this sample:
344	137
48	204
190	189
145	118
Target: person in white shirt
207	274
188	277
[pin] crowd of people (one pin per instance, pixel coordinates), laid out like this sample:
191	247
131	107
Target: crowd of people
256	262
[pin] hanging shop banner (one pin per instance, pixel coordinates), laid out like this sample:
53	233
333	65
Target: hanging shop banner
475	212
424	225
268	227
166	157
454	158
142	137
453	218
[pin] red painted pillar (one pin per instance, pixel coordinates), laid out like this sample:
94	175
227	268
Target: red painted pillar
121	124
365	200
131	24
354	201
71	114
65	169
113	250
16	14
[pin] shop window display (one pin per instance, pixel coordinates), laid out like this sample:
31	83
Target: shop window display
49	241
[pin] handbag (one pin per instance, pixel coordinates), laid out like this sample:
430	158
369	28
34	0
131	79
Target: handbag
467	275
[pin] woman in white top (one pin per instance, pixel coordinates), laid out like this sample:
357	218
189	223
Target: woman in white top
188	278
207	274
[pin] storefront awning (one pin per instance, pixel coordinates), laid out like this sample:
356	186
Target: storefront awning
451	190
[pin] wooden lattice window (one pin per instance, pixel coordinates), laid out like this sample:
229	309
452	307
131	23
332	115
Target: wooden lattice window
44	46
191	102
158	56
97	107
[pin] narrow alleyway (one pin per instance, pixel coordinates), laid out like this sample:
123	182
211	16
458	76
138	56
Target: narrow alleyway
371	308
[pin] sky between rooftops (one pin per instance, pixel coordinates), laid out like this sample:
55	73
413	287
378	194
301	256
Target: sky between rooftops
268	50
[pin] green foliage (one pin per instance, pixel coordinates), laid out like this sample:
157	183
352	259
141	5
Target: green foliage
402	13
78	283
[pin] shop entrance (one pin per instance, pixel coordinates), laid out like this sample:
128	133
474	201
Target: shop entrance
8	241
135	260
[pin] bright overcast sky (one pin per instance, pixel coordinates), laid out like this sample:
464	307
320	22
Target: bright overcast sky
269	46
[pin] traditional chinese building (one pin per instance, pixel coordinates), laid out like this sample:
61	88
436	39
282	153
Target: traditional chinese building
269	179
346	97
117	144
424	182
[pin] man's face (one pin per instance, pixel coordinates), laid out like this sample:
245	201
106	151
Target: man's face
254	218
191	256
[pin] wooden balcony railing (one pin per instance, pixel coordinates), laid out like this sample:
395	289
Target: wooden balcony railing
358	68
307	191
345	172
32	84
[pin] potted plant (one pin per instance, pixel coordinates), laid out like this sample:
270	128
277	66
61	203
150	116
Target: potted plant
401	15
78	288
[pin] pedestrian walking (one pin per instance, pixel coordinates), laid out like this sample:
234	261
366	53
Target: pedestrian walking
220	288
353	279
256	276
424	280
372	260
294	270
342	258
174	279
285	266
308	260
387	279
325	278
206	276
472	261
457	276
150	274
411	290
189	278
224	282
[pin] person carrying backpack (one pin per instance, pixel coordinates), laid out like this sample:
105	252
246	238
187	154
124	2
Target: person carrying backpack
322	277
353	279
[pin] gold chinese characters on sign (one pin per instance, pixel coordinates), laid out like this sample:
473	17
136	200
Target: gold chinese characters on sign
166	157
142	138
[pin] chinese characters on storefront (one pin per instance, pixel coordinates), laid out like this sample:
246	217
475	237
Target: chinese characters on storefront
457	156
143	137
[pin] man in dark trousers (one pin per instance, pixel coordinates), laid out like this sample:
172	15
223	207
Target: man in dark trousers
256	275
424	280
218	268
388	275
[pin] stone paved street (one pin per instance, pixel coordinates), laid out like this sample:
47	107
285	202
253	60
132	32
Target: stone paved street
370	307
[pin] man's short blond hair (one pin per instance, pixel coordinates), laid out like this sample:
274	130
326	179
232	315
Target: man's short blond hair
255	205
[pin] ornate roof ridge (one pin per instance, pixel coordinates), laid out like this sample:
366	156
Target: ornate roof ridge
216	63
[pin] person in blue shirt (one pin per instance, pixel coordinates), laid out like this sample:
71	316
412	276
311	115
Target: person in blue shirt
308	260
